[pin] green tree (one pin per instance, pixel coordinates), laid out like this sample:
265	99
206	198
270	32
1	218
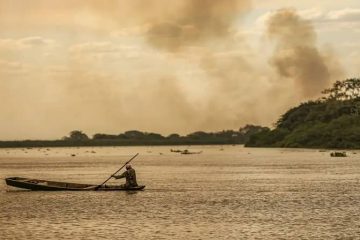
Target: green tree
77	135
174	136
134	134
101	136
343	90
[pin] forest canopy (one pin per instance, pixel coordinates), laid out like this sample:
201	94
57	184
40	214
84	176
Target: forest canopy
332	121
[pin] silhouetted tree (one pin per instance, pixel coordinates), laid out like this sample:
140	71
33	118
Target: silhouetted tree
250	129
154	136
198	135
343	90
333	122
173	136
104	136
77	135
134	134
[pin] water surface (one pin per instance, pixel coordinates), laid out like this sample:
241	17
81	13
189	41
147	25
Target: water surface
227	192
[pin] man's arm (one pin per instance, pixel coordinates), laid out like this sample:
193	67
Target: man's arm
119	176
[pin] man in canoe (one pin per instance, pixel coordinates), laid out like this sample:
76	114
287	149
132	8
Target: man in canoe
130	176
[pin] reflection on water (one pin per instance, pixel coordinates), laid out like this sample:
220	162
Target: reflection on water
227	192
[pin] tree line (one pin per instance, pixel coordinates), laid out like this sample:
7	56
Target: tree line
135	137
332	121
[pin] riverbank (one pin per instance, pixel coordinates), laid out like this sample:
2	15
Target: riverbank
107	143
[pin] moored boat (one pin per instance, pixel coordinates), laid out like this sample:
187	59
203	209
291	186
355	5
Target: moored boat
45	185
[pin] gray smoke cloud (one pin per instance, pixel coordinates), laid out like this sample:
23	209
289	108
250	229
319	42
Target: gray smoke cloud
196	22
297	56
152	93
176	27
208	25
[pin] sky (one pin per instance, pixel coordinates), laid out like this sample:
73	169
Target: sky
167	66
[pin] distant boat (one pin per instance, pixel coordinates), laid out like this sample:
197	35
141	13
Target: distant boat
44	185
188	152
184	151
176	150
338	154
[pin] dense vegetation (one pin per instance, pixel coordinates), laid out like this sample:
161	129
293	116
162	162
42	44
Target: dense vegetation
134	137
330	122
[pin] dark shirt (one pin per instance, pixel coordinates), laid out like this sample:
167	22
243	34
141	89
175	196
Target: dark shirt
130	176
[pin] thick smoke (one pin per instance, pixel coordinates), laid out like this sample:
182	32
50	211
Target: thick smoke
296	56
192	70
231	80
196	22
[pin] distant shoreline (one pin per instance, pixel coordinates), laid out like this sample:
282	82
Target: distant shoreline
77	138
105	143
102	143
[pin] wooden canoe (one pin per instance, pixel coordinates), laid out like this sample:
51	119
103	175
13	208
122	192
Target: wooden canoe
44	185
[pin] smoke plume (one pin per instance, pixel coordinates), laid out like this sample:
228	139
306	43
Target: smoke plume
297	56
196	21
161	66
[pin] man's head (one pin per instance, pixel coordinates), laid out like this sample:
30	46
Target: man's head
128	166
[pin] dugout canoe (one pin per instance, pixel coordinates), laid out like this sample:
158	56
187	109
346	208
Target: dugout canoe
45	185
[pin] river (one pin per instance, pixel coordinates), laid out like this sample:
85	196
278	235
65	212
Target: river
226	192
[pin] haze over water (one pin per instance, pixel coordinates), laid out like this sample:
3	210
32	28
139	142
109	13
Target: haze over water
167	66
227	192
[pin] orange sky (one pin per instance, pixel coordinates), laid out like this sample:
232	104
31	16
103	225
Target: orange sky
166	66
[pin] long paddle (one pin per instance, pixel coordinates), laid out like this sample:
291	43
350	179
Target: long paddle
96	188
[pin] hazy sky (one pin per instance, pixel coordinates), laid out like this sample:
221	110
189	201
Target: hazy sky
167	66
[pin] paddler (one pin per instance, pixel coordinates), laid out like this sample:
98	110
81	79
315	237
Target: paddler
130	176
